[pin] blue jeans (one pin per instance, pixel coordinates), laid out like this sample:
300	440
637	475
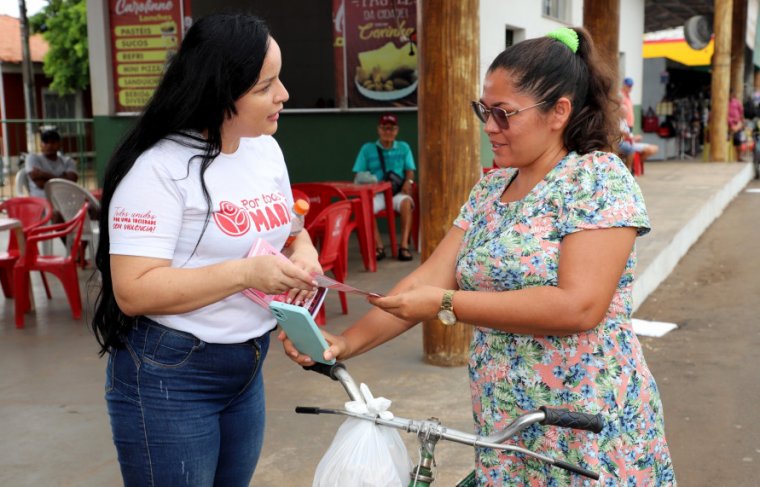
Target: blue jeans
183	411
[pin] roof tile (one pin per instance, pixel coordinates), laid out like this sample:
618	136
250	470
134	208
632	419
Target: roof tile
10	42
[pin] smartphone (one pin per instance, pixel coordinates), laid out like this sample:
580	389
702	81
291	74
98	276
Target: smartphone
301	329
315	302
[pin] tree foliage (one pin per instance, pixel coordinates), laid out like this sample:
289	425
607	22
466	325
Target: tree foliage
63	24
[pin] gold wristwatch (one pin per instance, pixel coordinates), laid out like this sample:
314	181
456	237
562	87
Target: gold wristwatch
446	314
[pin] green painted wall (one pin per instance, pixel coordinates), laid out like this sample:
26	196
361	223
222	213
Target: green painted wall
108	132
323	146
317	147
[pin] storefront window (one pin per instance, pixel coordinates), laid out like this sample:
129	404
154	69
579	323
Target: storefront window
557	9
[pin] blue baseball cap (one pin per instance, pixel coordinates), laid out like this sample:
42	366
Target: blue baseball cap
628	82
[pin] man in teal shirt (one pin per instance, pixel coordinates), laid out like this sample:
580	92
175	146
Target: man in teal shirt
397	157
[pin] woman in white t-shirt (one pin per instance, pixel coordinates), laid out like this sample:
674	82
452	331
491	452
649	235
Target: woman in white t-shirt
192	187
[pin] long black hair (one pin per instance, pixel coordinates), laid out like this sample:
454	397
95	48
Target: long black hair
219	60
547	69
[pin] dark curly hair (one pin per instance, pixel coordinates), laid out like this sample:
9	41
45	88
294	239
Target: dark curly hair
547	69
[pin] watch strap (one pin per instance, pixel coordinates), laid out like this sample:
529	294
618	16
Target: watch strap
447	302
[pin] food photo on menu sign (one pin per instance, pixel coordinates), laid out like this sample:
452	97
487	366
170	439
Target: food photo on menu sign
381	52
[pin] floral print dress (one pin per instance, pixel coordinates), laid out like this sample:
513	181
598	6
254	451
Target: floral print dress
509	246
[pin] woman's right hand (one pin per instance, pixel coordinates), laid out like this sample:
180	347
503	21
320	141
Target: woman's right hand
272	274
338	349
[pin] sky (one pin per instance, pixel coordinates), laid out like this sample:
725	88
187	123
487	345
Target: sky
10	7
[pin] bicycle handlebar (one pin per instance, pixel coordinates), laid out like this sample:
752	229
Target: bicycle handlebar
434	429
570	419
337	371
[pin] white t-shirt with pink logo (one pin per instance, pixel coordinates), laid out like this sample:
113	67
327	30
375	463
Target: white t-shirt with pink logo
159	211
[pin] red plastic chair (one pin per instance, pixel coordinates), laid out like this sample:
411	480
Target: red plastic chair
334	220
63	267
320	196
300	195
415	216
638	165
32	212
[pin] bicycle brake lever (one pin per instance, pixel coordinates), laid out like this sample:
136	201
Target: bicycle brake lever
576	469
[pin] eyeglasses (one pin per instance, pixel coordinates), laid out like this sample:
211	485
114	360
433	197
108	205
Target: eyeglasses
500	116
389	128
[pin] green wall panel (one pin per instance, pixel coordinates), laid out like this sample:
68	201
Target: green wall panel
108	134
317	147
323	146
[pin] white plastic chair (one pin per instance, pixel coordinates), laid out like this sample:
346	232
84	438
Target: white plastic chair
67	198
22	182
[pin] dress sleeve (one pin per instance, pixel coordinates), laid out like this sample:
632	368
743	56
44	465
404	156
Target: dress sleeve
601	193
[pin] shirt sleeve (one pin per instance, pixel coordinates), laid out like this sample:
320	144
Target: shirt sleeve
601	193
409	159
361	160
69	165
32	161
145	214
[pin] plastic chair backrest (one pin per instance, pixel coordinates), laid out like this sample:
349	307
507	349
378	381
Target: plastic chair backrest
71	230
32	212
300	195
334	219
22	182
63	267
320	197
67	198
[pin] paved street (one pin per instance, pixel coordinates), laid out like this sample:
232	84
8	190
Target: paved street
707	369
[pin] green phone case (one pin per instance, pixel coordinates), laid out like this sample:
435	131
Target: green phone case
301	329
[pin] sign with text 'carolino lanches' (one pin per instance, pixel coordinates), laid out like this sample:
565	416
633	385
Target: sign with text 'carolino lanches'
144	34
376	49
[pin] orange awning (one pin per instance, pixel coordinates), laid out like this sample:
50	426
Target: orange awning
679	51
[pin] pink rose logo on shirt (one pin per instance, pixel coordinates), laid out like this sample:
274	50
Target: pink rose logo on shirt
232	220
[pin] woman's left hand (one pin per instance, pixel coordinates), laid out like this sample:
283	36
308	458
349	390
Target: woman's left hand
306	259
416	304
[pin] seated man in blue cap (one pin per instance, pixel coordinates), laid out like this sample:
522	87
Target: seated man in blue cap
49	164
387	154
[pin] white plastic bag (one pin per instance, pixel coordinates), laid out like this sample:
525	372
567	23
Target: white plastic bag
364	454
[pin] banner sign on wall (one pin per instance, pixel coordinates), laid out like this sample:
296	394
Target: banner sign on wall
376	52
144	35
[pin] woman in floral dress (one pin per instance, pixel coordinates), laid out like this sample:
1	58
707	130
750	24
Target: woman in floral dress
540	261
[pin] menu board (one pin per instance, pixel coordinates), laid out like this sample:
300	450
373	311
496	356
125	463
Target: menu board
144	35
376	52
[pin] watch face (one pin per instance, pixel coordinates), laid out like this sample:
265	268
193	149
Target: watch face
447	317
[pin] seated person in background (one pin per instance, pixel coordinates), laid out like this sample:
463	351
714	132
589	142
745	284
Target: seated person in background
49	164
397	157
630	144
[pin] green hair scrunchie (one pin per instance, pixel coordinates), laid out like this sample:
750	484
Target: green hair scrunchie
566	36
